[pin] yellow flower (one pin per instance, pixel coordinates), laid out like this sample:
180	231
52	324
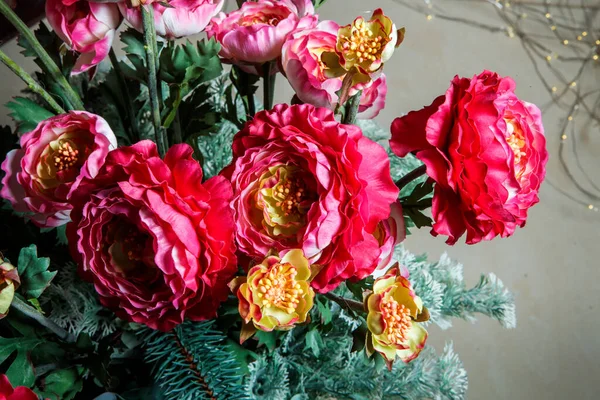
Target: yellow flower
9	282
276	294
394	313
363	47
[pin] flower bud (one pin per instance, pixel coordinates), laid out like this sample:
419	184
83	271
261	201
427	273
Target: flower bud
9	282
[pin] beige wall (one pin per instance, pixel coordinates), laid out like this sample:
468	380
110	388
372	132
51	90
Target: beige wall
552	265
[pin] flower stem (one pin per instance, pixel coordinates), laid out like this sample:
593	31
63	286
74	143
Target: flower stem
411	176
346	303
31	83
352	108
126	96
268	84
49	64
30	312
150	46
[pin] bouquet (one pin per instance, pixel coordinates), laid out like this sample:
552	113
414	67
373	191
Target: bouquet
166	235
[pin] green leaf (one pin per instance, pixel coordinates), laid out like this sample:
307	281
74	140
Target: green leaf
21	372
314	342
417	217
27	113
63	384
324	310
268	339
33	271
358	288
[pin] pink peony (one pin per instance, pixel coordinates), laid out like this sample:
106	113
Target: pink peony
157	243
486	151
53	159
302	180
302	65
88	28
181	18
255	33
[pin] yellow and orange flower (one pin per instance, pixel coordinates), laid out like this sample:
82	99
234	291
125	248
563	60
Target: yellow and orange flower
276	294
394	313
9	282
363	47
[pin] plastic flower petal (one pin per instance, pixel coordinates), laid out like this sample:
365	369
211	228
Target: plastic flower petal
393	314
9	282
276	293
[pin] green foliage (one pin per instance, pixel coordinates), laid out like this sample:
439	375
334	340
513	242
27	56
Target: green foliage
136	55
62	384
418	201
33	272
20	372
27	113
183	68
268	378
444	292
75	307
318	3
193	361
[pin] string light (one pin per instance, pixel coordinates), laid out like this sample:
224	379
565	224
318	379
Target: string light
548	58
565	42
564	137
573	84
570	118
591	206
554	89
429	17
595	57
548	15
598	42
553	27
584	33
579	37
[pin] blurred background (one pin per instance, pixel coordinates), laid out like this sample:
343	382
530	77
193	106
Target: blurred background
552	265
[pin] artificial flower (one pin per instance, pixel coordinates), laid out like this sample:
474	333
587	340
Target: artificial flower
86	27
303	180
276	294
389	233
156	242
180	18
9	282
53	159
485	148
372	99
394	312
7	392
362	48
255	34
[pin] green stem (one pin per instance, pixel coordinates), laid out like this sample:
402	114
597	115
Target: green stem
346	303
352	108
411	176
30	312
150	45
177	136
126	96
268	85
49	64
31	83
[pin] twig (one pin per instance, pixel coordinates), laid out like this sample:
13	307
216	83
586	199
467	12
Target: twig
49	64
346	303
150	45
411	176
31	83
30	312
268	84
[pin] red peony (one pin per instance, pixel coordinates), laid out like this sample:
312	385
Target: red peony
7	392
303	180
486	151
157	243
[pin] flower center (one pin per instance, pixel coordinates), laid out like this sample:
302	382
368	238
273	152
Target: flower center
362	44
130	250
279	288
397	319
271	19
516	140
65	156
285	197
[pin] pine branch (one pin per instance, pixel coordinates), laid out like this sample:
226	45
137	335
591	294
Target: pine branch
192	366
